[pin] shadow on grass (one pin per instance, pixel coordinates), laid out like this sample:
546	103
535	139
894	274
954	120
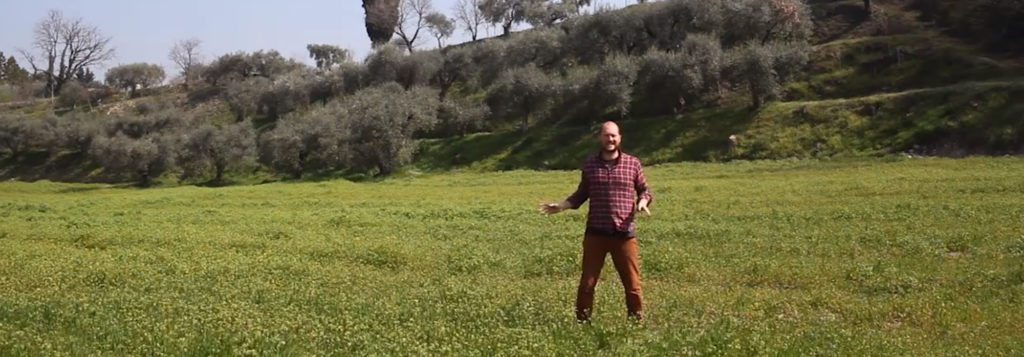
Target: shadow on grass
698	136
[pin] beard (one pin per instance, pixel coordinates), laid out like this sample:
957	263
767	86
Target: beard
610	148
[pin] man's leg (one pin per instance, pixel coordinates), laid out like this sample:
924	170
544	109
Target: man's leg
626	263
594	251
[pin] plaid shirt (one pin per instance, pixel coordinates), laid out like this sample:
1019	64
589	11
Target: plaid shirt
612	187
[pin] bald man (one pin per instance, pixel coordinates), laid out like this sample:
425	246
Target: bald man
615	184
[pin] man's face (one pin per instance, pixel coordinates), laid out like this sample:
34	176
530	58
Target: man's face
610	138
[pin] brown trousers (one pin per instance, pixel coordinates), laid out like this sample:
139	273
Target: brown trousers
624	256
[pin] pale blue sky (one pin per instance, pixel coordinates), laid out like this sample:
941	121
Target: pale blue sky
145	30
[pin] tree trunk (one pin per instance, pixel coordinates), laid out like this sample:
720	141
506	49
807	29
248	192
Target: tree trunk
867	6
144	178
526	122
220	173
755	99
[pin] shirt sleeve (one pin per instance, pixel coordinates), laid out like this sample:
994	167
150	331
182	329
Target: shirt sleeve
582	191
640	182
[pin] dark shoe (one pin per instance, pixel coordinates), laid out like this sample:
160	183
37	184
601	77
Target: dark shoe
583	316
637	316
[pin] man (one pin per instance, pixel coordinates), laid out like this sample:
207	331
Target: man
613	181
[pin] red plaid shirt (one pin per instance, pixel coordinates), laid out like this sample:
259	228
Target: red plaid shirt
613	188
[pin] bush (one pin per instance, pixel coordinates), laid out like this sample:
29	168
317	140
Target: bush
73	95
138	126
19	134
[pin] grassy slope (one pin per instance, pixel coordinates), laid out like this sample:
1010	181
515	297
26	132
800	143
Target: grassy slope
915	257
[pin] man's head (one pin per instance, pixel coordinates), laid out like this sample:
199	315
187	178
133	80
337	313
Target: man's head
609	137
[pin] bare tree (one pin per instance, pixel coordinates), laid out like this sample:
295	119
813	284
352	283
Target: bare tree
185	54
65	47
440	27
469	16
411	20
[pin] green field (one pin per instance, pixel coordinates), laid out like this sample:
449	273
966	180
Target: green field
885	256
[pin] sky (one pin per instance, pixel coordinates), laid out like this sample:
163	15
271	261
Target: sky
145	30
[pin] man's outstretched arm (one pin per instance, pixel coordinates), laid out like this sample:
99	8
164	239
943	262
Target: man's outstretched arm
574	201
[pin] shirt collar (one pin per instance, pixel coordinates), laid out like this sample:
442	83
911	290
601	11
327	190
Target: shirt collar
616	161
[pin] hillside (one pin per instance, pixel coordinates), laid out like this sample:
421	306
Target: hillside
884	84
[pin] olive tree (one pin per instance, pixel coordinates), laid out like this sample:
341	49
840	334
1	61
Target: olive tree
75	132
456	66
667	82
327	56
382	64
19	134
522	92
505	13
543	48
145	157
763	68
709	58
765	21
440	27
243	97
240	66
134	76
210	148
383	124
461	116
309	140
611	87
418	69
286	94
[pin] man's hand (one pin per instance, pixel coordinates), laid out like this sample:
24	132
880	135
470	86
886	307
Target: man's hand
552	208
642	207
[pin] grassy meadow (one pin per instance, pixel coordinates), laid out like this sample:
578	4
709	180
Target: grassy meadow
866	257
